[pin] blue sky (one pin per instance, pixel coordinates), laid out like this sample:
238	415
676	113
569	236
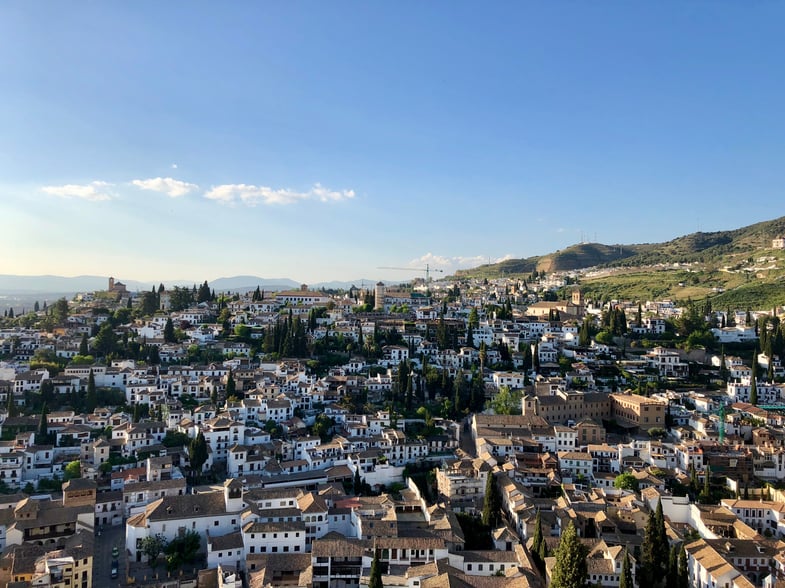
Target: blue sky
321	140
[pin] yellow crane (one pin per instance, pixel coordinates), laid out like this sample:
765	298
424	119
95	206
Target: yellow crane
427	269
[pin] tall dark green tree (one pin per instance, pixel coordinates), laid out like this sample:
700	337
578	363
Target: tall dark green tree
626	580
42	436
460	394
570	569
169	336
203	294
673	567
491	507
83	346
375	579
441	333
231	385
537	542
12	410
105	341
91	401
754	379
661	540
684	573
197	454
655	551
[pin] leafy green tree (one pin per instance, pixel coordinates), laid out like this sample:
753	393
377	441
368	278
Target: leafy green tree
626	580
375	580
570	569
181	298
507	401
148	303
491	507
175	439
72	470
626	481
106	340
60	311
152	546
181	550
322	426
474	319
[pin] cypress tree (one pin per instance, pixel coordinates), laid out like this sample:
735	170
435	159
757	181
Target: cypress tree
537	541
754	379
673	566
650	563
626	581
231	386
169	336
684	574
375	580
43	425
661	539
92	399
491	504
11	408
83	348
570	570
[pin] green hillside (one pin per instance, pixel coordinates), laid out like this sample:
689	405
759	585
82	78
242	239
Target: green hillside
737	268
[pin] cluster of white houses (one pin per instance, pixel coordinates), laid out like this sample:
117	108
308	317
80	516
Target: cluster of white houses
288	513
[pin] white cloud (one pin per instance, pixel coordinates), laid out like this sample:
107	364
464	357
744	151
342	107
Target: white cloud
94	191
169	186
450	264
174	166
251	195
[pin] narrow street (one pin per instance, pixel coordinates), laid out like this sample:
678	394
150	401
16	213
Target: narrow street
102	556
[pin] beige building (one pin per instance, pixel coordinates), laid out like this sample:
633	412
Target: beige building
565	406
638	411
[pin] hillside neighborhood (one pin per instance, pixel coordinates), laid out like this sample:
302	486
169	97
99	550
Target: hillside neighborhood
458	432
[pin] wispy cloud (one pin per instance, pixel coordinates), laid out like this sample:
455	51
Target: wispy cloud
450	264
169	186
251	195
94	191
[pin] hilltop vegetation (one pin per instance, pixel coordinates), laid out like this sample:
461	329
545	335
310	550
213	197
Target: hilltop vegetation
737	268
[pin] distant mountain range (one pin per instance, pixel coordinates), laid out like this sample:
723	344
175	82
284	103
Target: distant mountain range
23	285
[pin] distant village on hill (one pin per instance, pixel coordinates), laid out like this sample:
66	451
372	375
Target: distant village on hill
461	432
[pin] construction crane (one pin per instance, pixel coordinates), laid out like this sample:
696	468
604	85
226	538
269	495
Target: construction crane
720	413
427	269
